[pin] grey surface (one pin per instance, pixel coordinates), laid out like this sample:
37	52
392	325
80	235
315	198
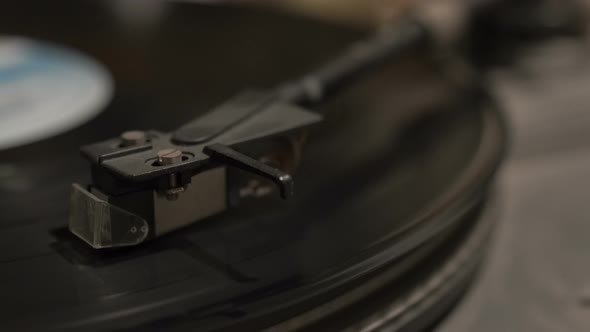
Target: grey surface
537	277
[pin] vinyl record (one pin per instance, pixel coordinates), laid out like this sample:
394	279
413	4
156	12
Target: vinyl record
389	179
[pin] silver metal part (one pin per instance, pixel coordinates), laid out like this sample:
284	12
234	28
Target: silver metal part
205	196
169	157
102	225
133	137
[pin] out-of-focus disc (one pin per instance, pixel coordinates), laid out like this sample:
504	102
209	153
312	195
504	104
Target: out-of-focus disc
46	89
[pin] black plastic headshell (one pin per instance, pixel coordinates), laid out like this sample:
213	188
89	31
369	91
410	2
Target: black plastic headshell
207	142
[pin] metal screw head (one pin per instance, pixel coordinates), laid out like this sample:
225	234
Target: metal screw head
169	156
133	137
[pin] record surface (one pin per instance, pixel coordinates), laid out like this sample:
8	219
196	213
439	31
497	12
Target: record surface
397	163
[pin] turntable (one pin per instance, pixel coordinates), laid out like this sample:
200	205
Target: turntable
348	184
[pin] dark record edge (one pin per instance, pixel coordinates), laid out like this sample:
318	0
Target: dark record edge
421	299
435	295
442	222
429	293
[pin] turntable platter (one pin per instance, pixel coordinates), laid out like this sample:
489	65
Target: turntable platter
361	202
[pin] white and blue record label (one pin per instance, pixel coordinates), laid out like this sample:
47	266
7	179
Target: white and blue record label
47	89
